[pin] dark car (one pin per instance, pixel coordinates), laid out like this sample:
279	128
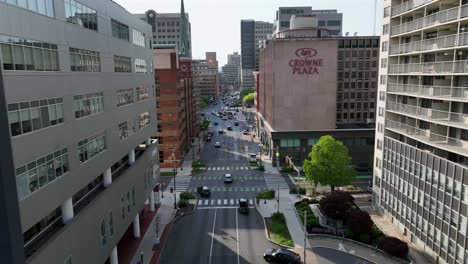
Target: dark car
236	123
208	139
215	123
229	128
281	256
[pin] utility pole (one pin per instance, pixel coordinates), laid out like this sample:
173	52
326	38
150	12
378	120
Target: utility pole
278	198
305	235
175	171
277	157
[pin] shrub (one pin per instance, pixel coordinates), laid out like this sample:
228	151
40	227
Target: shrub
336	205
349	233
364	238
379	241
375	232
287	170
266	195
186	196
182	203
360	222
395	247
261	168
198	164
294	190
196	170
314	201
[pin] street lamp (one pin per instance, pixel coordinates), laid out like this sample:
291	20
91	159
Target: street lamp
305	232
175	171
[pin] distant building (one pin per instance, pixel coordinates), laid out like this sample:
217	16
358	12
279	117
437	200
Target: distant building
300	94
329	19
170	28
205	76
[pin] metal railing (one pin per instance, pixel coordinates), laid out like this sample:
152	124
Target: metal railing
448	41
430	114
31	246
408	5
460	66
443	92
430	20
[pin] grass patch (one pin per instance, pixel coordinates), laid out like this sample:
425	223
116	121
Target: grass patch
278	230
187	196
196	170
312	221
268	195
167	174
198	164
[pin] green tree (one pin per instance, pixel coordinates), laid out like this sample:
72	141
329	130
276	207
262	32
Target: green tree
245	92
204	102
329	163
248	99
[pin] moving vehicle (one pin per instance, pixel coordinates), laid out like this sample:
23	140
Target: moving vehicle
253	158
245	132
236	123
229	128
243	206
225	118
227	178
221	131
281	256
215	123
230	117
208	139
217	144
203	191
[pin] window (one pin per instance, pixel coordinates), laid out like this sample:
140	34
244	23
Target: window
40	172
383	79
381	111
385	29
103	233
142	93
290	142
88	104
124	97
122	64
386	11
120	30
91	146
126	129
43	7
82	60
334	23
81	15
28	55
380	127
384	46
382	96
379	144
25	117
383	63
138	38
143	120
140	65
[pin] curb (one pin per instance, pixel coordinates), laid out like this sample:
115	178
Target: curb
189	213
266	230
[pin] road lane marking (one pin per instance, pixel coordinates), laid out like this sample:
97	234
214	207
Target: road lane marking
241	168
225	201
219	201
222	207
237	238
227	168
206	202
212	236
200	202
250	202
231	201
212	202
209	168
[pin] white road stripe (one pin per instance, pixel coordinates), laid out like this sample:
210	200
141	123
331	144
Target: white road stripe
225	201
209	168
231	201
241	168
212	236
200	202
222	207
219	201
206	202
237	238
227	168
237	201
250	202
222	168
212	202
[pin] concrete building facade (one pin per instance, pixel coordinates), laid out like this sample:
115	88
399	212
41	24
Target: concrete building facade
78	84
328	18
421	149
297	94
205	76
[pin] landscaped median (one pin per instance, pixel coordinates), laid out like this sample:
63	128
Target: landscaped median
278	230
198	166
267	195
186	203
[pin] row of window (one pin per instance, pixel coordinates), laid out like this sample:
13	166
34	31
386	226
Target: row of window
30	116
91	146
169	24
342	54
82	60
81	15
126	203
354	116
358	43
129	127
357	75
43	7
88	104
38	173
358	85
140	66
122	64
28	55
361	64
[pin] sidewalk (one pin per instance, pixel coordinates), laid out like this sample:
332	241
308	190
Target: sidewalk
164	215
287	208
188	158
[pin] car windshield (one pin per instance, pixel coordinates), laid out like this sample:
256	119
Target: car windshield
286	252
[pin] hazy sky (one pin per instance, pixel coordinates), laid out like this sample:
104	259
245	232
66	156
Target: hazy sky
216	23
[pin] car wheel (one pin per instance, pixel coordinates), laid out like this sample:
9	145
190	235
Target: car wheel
267	259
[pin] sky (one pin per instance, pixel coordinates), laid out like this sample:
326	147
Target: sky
216	23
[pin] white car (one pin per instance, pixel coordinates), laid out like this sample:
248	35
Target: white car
227	178
217	144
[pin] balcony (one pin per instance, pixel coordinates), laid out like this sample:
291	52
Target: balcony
442	117
444	67
426	136
449	41
407	6
435	92
441	17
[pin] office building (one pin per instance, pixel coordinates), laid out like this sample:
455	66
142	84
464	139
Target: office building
421	148
300	94
231	72
205	76
329	18
170	28
234	58
78	80
175	105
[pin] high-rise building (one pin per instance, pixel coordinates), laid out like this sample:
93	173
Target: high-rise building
421	148
234	59
170	28
328	18
175	107
78	82
312	84
231	72
205	76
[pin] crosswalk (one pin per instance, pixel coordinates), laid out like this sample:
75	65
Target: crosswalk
223	203
182	183
227	168
233	189
273	181
234	177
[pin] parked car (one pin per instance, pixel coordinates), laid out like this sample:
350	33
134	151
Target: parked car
281	256
253	158
227	178
229	128
220	131
230	117
217	144
208	139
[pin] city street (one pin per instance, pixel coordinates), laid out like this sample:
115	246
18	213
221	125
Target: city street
217	232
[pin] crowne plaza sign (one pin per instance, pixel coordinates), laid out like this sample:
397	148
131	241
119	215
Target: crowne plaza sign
305	62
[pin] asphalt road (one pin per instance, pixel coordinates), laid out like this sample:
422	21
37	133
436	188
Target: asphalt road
217	232
331	256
